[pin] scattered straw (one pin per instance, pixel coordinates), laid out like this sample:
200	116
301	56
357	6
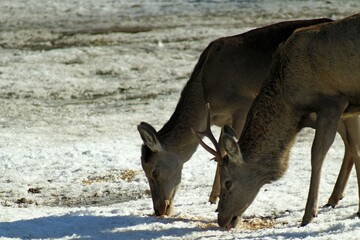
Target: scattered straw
126	175
246	224
256	223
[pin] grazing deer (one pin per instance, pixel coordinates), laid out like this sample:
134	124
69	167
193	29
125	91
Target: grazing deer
228	75
316	70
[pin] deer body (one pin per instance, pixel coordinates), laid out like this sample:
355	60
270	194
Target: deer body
316	70
228	75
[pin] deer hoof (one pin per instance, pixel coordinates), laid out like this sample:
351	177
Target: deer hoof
304	223
308	219
213	199
329	205
333	201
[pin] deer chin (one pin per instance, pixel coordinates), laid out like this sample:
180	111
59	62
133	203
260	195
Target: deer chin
233	222
229	222
170	203
167	208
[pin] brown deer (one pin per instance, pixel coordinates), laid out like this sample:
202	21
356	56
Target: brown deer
228	75
316	70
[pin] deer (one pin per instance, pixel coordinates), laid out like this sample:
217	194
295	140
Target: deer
316	70
228	75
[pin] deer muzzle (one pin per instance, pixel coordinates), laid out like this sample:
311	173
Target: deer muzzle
164	208
228	222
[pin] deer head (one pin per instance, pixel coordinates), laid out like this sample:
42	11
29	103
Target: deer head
162	169
239	181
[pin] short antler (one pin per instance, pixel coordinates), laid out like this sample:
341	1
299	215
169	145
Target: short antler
207	133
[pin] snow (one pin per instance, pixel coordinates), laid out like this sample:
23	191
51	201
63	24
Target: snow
71	100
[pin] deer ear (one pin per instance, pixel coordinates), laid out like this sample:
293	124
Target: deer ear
232	149
149	136
230	131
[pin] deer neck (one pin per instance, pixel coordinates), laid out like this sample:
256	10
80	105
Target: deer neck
190	112
269	133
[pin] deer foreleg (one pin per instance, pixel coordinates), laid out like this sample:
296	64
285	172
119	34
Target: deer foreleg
326	127
215	192
338	192
354	143
238	121
350	133
357	166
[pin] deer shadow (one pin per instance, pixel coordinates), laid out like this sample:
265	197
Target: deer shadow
92	227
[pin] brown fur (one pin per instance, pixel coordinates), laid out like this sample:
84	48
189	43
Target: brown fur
316	70
228	75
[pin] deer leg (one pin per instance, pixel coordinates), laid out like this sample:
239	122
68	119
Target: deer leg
215	191
357	166
346	130
238	125
353	133
326	128
338	192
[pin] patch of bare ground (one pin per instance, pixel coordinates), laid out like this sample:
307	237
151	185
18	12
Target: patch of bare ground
111	29
47	39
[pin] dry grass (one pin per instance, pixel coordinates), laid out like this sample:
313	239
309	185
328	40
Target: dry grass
128	175
246	224
209	225
113	176
257	223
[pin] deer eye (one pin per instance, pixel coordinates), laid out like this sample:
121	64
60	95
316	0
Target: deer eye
228	184
155	173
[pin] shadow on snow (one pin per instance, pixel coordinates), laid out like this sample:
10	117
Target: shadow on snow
84	226
93	227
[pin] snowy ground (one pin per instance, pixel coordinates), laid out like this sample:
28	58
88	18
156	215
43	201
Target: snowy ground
76	77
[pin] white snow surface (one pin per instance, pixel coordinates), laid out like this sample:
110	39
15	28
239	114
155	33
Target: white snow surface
70	101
